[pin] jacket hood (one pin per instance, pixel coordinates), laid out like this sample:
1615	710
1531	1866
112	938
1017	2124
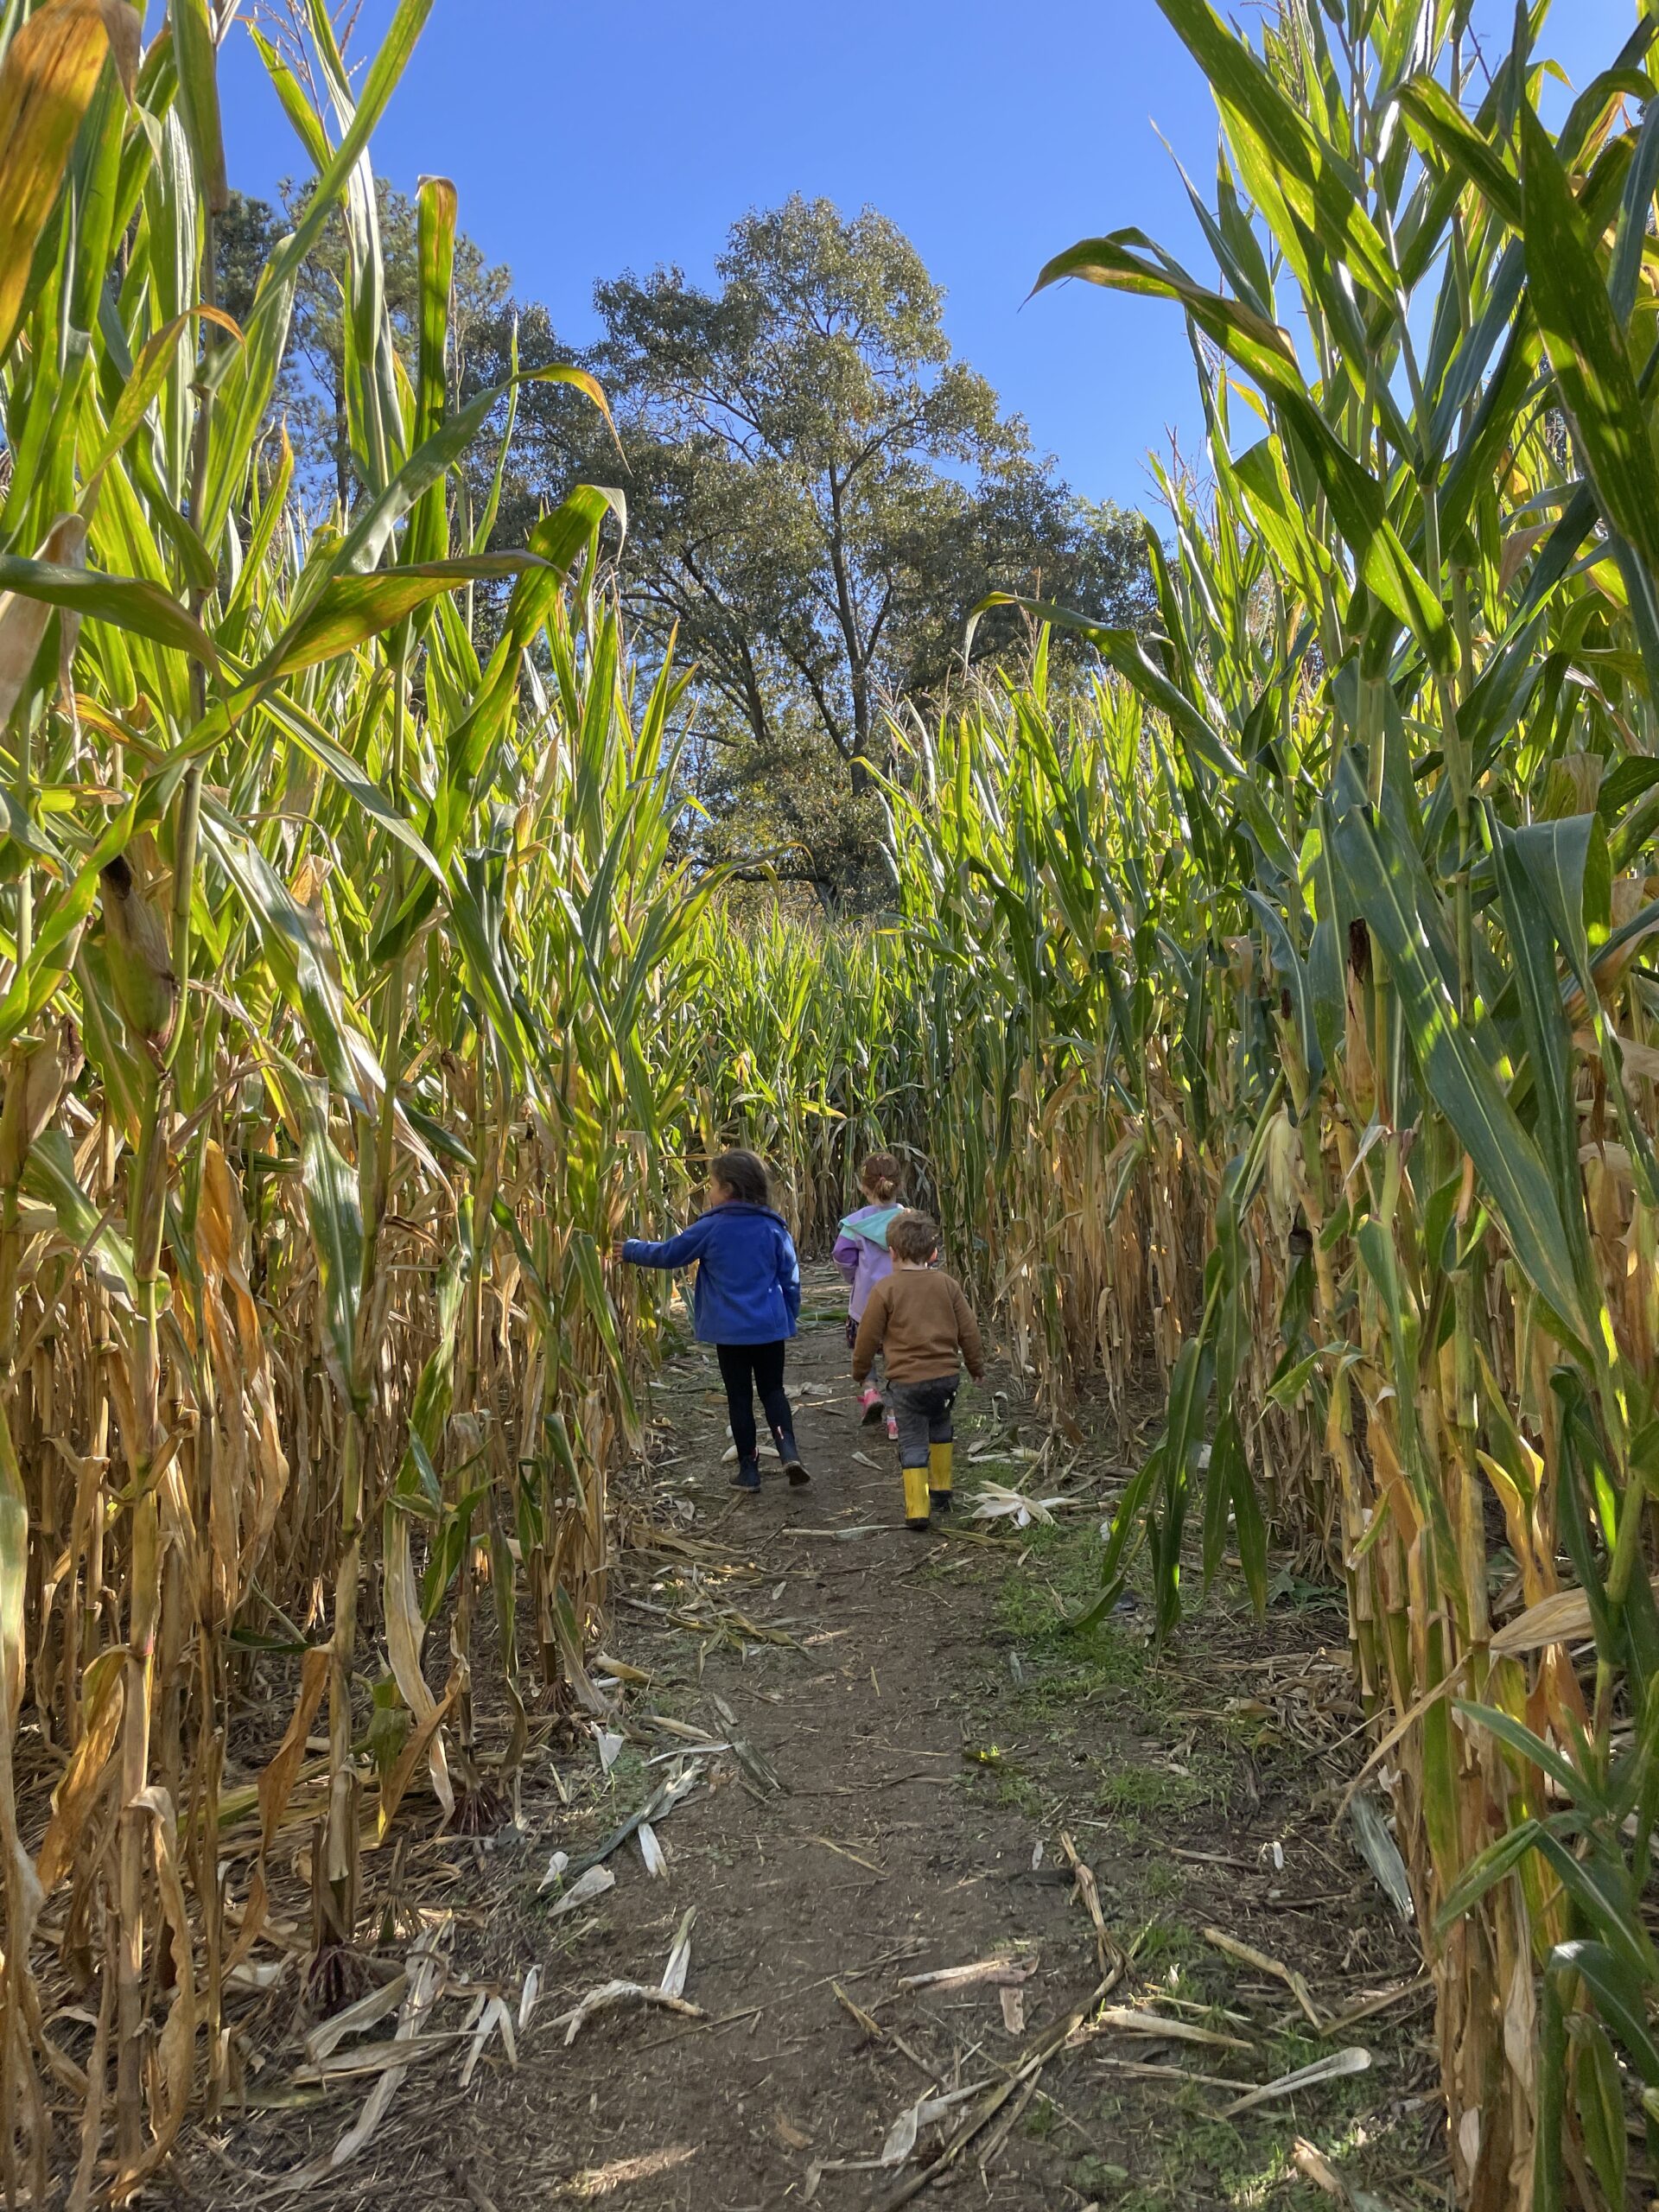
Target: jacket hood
871	1223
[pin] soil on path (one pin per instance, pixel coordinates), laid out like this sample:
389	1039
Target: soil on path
915	1731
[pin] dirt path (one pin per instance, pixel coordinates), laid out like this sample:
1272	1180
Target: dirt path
916	1733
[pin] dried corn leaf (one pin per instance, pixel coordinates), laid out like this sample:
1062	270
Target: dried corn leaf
679	1956
375	2058
1313	2166
655	1808
328	2035
901	2137
610	1994
1340	2062
1002	1973
1381	1854
1248	1955
995	1502
1562	1618
496	2018
1135	2020
586	1887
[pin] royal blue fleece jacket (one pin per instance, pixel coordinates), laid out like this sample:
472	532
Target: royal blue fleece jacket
748	1279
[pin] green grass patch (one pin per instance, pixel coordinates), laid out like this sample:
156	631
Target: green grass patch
1127	1787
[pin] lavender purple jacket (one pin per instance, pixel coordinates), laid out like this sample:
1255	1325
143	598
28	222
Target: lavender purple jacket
861	1254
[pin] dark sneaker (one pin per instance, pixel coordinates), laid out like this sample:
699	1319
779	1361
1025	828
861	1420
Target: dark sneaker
746	1474
939	1500
792	1459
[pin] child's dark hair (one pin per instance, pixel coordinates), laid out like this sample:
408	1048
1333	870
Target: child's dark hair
914	1236
744	1174
883	1176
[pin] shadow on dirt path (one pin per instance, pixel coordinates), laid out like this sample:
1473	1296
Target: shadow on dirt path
907	1735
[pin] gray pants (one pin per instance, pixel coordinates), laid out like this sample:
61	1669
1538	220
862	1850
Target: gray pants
922	1411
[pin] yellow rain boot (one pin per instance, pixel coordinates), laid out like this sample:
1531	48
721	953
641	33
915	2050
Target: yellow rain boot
938	1476
916	1496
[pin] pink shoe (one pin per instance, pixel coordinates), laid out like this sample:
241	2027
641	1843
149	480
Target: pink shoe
892	1428
871	1403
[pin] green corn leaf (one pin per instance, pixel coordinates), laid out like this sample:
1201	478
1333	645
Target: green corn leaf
428	529
362	549
1459	1079
1124	652
1633	218
1599	2097
596	1296
379	82
304	732
1485	1871
349	610
49	1176
198	61
128	602
1610	1915
1548	1044
294	946
1587	349
1127	1531
1440	123
246	379
1251	1531
59	925
1356	501
1221	1478
150	372
1315	182
1578	1788
1548	2191
1620	1999
1288	963
336	1222
1561	859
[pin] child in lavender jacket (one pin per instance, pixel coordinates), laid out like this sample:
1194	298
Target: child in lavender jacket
861	1252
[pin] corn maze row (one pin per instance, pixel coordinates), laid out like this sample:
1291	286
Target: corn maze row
1275	1005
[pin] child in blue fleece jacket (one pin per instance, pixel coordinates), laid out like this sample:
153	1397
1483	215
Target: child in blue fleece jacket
747	1301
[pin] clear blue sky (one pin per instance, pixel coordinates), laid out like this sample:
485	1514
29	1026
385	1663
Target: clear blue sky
587	139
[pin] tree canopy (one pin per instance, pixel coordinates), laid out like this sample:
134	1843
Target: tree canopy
821	490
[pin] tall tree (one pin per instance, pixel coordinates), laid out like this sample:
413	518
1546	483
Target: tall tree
819	489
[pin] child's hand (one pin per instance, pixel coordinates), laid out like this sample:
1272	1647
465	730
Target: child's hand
614	1254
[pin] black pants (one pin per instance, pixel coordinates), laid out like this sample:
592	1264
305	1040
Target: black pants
745	1369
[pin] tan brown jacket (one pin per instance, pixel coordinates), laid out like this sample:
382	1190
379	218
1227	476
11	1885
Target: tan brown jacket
919	1318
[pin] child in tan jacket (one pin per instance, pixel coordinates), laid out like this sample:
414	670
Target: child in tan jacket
918	1319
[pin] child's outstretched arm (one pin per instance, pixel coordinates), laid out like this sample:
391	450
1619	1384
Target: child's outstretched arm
673	1252
788	1277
